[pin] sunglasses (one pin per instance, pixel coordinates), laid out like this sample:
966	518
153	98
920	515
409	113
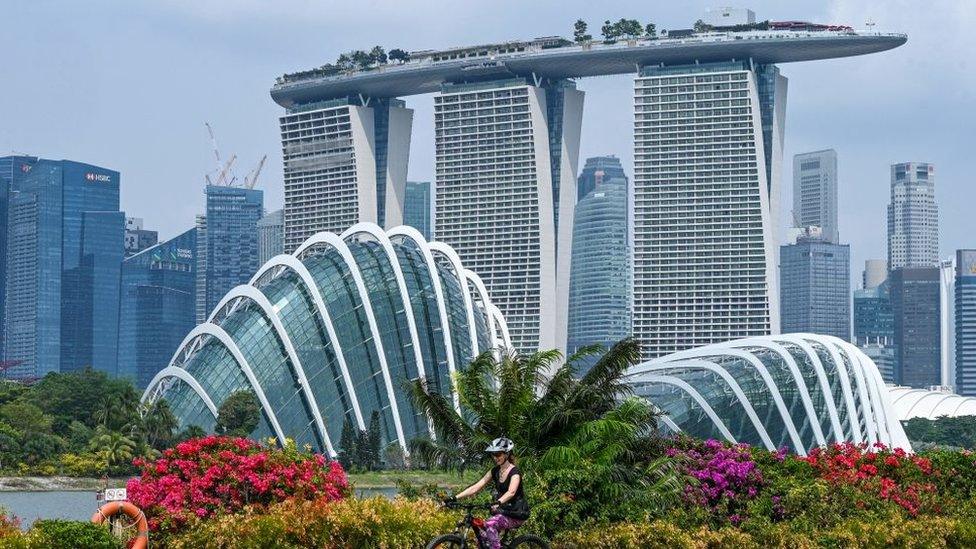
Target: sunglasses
497	454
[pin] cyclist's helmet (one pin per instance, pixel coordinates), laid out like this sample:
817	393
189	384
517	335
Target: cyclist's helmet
501	444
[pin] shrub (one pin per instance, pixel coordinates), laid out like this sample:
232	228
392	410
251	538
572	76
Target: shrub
724	478
203	477
70	534
361	523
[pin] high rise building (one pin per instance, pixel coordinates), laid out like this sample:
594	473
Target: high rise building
815	286
875	272
137	238
815	192
708	155
231	241
600	281
507	154
201	290
345	162
874	331
157	307
913	217
12	168
418	207
602	168
64	255
271	236
915	304
965	316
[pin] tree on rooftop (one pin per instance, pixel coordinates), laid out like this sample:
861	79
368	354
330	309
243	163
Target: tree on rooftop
344	62
631	28
650	30
398	55
701	26
361	59
378	55
579	32
609	31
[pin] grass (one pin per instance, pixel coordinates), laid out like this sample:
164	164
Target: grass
387	479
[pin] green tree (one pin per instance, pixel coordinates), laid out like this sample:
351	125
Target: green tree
348	446
25	417
579	32
377	55
398	55
361	59
373	441
650	30
344	62
117	448
535	401
701	26
630	28
191	431
158	424
609	32
239	414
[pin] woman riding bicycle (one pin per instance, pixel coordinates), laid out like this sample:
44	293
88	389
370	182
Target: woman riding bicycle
510	508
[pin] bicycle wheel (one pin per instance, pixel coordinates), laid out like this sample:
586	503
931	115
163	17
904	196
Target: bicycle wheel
528	541
447	541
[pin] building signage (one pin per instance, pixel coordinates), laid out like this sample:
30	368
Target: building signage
102	178
184	253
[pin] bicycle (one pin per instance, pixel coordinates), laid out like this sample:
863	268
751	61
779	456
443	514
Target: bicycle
459	538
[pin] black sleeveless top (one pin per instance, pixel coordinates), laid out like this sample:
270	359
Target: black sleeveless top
518	506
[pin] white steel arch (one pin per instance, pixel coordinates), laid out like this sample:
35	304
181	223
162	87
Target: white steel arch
681	384
711	351
218	333
186	377
455	262
844	375
257	297
339	245
435	280
483	294
502	325
732	383
291	262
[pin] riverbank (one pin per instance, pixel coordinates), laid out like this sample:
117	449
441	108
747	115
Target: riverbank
369	480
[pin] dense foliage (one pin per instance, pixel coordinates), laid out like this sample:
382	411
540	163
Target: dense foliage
238	415
948	432
214	476
78	424
63	534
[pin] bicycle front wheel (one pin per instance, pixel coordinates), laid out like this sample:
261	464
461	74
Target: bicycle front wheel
528	541
449	541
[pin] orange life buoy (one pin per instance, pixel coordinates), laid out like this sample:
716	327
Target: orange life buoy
113	508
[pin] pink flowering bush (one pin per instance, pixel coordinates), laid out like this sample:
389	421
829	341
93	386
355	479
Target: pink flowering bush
723	478
214	475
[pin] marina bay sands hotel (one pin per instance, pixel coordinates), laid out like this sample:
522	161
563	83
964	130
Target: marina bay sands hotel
709	108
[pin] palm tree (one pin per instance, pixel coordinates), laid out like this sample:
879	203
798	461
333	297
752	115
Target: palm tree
542	406
118	448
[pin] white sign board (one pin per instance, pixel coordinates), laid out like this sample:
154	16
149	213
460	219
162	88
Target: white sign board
115	494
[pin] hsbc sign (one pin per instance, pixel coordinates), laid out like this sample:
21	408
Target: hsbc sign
98	177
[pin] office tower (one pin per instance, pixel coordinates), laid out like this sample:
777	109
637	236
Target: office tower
137	238
345	161
965	317
913	217
157	306
875	272
600	282
917	326
11	168
271	236
506	161
418	207
706	202
815	192
231	241
815	286
603	167
202	311
64	255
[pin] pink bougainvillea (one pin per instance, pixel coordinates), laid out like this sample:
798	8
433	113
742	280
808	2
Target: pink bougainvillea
726	477
207	476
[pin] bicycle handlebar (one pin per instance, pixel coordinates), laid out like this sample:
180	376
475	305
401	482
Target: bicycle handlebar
466	506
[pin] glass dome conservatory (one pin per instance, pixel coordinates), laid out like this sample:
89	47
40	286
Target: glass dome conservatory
334	332
796	391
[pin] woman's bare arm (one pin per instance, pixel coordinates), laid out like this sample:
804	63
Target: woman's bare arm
512	488
474	488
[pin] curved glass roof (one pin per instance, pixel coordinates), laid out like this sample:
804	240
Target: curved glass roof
929	404
334	332
797	391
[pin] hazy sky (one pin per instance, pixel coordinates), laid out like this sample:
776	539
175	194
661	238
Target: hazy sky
128	85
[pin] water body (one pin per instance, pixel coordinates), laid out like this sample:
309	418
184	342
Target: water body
57	504
81	505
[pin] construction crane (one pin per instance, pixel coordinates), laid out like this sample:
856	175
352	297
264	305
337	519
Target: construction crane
224	172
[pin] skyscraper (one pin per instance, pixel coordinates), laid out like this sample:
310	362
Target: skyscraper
602	167
157	306
231	240
271	236
815	286
11	168
418	207
506	160
345	161
137	238
815	192
917	326
965	313
875	272
600	280
913	217
708	155
65	248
